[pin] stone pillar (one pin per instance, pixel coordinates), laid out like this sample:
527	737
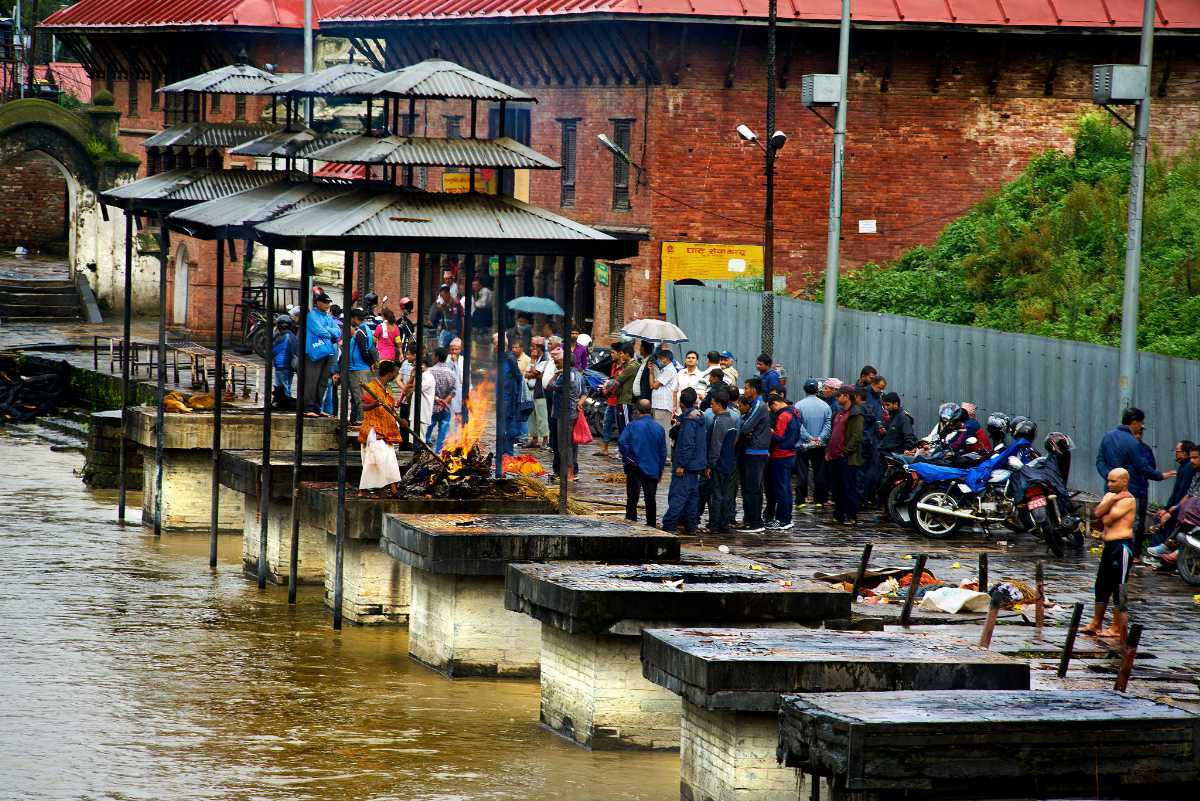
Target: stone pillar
310	563
375	587
187	482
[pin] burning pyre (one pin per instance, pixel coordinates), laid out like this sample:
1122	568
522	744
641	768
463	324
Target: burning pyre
461	470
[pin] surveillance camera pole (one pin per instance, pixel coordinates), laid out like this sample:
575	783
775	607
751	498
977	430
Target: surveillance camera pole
768	288
1133	238
833	248
308	56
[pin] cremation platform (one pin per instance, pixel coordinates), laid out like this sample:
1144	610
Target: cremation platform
593	689
731	681
187	460
1000	744
376	588
459	624
242	472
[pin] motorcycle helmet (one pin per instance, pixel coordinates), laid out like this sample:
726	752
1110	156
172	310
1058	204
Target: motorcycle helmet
283	319
1016	421
947	412
961	416
1059	443
1026	429
370	299
997	426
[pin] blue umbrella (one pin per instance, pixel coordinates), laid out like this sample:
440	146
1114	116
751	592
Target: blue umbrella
534	305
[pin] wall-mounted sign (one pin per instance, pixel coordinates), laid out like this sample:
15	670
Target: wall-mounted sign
715	265
457	182
510	265
867	227
601	274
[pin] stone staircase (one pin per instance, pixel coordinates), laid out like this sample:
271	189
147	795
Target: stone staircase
32	299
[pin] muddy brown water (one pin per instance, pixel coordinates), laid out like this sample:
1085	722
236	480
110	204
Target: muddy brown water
130	670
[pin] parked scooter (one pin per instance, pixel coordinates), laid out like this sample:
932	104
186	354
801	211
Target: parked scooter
1044	504
952	496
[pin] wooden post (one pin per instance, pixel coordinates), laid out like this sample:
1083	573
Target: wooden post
983	572
862	569
1127	658
985	639
1069	646
913	585
1121	619
1040	609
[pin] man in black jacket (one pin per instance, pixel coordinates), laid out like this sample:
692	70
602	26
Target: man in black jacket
899	435
754	444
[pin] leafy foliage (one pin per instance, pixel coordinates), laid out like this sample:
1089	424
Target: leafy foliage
1045	255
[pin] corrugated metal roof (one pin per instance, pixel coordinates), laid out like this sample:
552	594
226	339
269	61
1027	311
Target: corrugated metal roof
209	134
438	79
231	216
92	14
331	81
334	171
233	79
179	188
421	151
1105	14
287	143
473	222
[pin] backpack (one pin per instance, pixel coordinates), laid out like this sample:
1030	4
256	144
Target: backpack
791	434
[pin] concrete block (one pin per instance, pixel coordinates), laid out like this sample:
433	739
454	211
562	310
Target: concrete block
458	626
240	430
310	556
375	588
187	493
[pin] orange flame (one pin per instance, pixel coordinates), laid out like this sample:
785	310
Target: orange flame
479	414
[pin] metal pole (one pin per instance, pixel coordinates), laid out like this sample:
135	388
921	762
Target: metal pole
159	422
268	386
415	402
308	55
566	444
306	267
1133	238
498	300
834	244
469	266
344	420
126	322
1069	645
218	396
768	288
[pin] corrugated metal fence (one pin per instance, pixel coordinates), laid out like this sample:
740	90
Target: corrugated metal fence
1063	385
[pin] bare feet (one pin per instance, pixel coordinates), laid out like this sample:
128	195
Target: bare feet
1110	633
1092	628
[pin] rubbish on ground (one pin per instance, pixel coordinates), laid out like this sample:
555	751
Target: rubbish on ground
956	565
954	599
723	548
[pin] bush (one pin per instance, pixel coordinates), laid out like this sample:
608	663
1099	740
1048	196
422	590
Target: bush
1045	255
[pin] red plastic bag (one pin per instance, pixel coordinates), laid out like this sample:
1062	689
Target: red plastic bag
582	434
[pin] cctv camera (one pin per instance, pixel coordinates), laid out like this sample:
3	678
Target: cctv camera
747	134
778	139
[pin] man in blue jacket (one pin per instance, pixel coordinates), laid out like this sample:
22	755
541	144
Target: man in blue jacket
754	444
721	473
321	336
362	360
643	447
690	459
1121	448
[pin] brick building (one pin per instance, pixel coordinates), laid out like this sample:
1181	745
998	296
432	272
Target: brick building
947	101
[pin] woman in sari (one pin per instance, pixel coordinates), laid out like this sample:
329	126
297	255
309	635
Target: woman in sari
380	433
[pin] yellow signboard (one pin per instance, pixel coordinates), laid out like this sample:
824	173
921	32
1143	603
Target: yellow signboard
457	182
715	265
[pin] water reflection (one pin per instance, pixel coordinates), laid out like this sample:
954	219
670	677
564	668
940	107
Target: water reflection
129	670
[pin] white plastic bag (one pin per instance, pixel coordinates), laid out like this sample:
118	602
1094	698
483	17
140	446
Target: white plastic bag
954	599
380	465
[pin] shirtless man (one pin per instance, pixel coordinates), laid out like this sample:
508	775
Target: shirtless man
1116	512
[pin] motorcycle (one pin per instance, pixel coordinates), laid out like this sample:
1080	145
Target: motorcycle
1045	506
1188	562
899	487
951	496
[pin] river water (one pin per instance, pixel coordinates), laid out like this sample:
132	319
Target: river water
130	670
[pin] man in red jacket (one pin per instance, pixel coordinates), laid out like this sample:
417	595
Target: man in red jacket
780	463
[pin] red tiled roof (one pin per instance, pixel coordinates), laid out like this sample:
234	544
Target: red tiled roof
93	14
70	77
1172	14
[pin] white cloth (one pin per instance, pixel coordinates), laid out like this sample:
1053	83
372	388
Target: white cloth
953	599
380	467
664	396
697	380
427	396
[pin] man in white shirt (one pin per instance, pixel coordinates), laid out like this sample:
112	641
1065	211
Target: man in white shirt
692	376
456	364
664	386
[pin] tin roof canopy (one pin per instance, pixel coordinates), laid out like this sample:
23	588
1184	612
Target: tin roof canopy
232	216
133	14
331	81
233	79
438	79
420	151
174	189
1104	14
415	222
209	134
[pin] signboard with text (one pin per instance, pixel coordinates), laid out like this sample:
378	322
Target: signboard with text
457	182
715	265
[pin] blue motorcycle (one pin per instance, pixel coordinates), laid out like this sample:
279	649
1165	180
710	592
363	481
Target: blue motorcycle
949	497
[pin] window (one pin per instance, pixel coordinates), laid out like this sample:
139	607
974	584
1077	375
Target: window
616	296
133	95
108	80
453	127
408	123
622	135
239	107
215	104
155	82
516	126
567	173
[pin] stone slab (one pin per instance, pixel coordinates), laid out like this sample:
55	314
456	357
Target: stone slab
482	544
579	597
1027	641
999	744
749	669
890	613
240	430
365	516
242	470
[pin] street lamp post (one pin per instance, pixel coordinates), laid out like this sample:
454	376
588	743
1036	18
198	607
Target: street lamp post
768	288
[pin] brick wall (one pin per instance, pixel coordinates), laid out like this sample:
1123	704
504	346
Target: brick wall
34	196
201	258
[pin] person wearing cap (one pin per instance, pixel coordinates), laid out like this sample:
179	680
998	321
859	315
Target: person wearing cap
731	373
283	357
817	418
322	336
408	328
829	391
786	432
